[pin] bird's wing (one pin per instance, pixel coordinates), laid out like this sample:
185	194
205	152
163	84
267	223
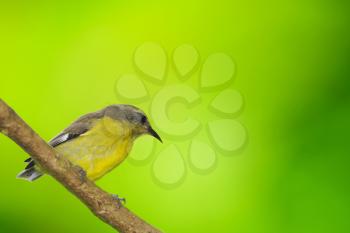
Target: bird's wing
73	131
77	128
64	137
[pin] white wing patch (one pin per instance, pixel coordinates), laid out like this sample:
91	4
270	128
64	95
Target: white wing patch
59	139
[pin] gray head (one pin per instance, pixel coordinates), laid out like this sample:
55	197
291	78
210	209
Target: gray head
133	115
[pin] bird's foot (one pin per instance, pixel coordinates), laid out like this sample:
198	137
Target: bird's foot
120	200
82	173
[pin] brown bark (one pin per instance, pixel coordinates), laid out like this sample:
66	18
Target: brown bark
98	201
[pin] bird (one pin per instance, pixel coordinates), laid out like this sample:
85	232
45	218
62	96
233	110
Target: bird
97	142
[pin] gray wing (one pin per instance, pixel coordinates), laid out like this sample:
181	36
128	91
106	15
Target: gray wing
67	136
77	128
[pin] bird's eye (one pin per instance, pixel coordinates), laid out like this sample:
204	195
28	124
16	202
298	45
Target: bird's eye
143	119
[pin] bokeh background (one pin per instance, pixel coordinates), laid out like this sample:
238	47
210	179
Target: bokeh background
60	59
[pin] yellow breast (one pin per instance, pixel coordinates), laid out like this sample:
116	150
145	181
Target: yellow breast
100	149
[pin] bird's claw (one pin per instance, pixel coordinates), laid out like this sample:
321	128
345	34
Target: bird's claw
120	200
82	173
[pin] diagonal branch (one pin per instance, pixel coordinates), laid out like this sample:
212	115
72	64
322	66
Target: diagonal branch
97	200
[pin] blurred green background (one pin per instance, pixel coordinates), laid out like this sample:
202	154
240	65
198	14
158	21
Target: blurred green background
61	59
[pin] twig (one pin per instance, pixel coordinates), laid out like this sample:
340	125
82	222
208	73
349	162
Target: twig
98	201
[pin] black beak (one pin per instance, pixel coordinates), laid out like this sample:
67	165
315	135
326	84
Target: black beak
154	134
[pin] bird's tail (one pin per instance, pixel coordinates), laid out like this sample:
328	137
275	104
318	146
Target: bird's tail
29	174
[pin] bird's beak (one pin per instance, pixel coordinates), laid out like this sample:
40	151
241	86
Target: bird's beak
154	134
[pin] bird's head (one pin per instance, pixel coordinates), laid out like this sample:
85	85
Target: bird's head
131	117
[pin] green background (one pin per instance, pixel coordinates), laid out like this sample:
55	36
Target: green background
61	59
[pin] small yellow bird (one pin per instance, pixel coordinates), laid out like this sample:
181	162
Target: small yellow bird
97	142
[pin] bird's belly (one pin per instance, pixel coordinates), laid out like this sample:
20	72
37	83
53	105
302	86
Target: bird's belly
100	164
96	155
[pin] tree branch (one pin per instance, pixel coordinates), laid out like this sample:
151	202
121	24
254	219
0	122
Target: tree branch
98	201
